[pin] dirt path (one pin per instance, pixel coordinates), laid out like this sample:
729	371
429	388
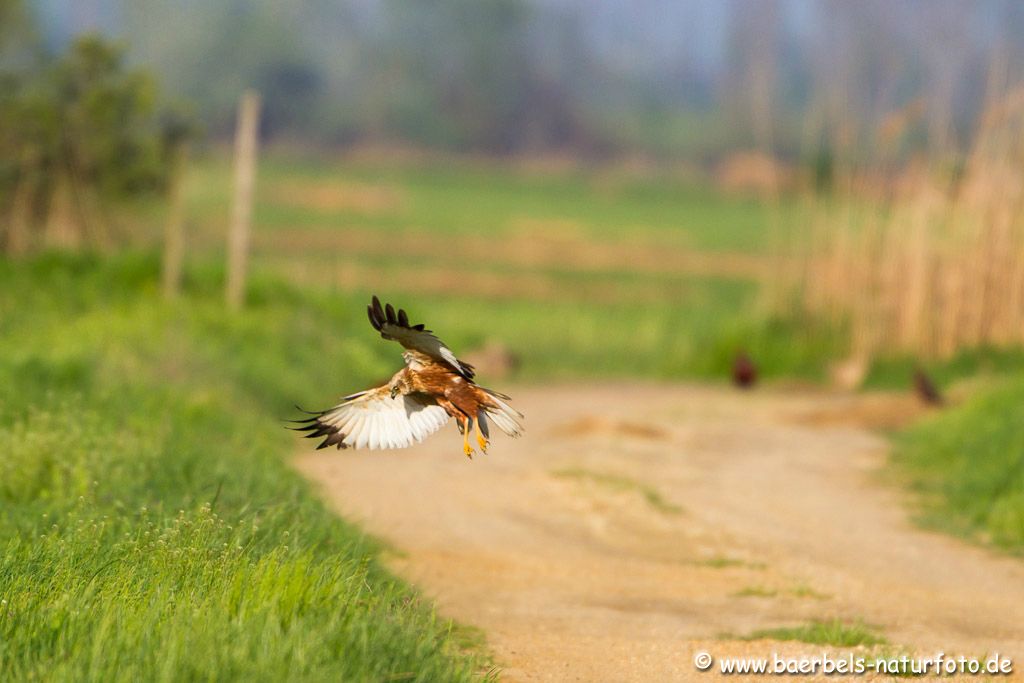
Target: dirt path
634	525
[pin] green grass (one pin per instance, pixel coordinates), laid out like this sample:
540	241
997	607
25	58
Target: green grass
723	562
834	632
800	591
619	483
150	528
968	465
804	591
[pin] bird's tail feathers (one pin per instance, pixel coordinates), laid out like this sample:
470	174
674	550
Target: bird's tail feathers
502	414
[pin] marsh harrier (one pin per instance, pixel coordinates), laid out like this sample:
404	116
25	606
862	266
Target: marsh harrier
433	386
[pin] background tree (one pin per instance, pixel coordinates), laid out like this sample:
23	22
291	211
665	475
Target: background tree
80	130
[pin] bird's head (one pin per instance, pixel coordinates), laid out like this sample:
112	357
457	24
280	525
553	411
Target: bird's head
394	391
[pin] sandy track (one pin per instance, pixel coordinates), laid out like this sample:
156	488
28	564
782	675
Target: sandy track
634	525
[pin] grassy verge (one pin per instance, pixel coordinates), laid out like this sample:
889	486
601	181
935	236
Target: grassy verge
968	465
896	372
149	529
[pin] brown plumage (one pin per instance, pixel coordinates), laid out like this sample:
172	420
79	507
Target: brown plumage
418	400
744	372
926	389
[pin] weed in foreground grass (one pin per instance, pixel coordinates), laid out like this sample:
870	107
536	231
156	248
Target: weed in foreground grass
755	592
804	591
617	483
723	562
833	632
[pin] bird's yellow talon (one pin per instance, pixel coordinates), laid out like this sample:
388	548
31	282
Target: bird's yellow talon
480	438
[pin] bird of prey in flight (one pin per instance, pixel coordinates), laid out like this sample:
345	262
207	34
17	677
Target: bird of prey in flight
433	386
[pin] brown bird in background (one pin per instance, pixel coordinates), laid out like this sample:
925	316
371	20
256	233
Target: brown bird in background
744	372
926	389
418	400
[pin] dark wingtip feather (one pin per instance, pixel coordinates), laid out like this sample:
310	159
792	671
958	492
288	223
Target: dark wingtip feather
389	311
307	423
317	429
419	327
378	312
403	318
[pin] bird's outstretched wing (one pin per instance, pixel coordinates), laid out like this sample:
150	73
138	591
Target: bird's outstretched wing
372	419
396	326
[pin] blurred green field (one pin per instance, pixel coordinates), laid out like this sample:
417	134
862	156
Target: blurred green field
466	197
580	273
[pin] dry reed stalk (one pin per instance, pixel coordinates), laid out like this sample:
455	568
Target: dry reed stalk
934	268
860	291
949	304
996	277
812	295
1015	293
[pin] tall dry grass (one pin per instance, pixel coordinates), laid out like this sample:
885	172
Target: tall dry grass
926	260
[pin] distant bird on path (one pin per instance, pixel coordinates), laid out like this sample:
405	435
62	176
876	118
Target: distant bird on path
744	372
926	389
418	400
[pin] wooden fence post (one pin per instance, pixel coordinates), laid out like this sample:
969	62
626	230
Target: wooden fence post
20	213
241	210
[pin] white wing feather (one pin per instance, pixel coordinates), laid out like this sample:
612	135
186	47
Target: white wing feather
372	419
